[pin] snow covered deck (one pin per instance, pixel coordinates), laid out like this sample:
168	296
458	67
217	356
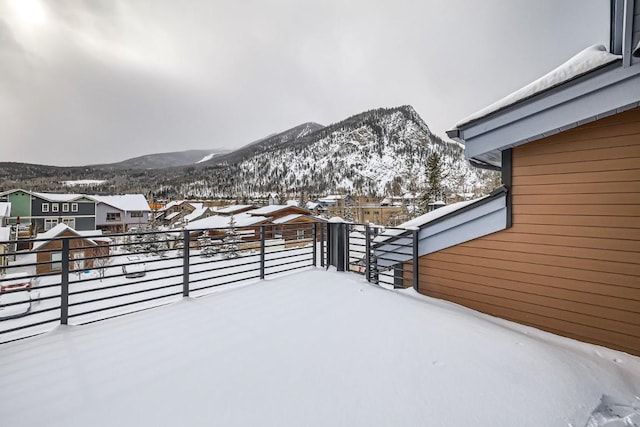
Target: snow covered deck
314	348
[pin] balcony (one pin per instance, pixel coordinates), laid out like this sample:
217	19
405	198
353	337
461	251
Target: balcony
303	346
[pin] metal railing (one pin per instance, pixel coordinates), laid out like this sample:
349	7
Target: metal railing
384	255
79	279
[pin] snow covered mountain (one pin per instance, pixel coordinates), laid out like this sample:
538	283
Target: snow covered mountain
378	152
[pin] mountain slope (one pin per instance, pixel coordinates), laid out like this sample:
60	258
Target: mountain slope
378	152
163	160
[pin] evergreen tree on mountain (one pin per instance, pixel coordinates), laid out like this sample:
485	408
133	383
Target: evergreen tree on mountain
433	179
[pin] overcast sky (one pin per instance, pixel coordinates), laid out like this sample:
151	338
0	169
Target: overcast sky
98	81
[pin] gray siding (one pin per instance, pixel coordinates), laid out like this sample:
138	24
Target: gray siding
636	30
84	208
86	223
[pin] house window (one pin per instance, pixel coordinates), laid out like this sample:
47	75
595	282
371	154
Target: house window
71	222
65	207
45	207
300	234
55	207
74	207
113	216
49	223
136	214
56	261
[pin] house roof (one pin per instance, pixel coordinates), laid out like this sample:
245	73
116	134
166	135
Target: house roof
584	62
271	209
197	213
219	221
125	202
61	228
287	218
233	208
444	227
57	197
172	204
592	85
172	215
5	209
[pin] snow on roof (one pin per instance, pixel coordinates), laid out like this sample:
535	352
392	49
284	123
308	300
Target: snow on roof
5	209
455	366
59	229
232	208
5	234
312	205
291	203
125	202
437	213
172	215
196	205
58	197
172	204
219	221
197	213
588	60
287	218
266	210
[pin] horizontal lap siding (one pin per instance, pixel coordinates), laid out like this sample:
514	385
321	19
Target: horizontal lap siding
570	264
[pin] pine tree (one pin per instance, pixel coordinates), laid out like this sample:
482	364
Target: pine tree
207	249
433	176
230	245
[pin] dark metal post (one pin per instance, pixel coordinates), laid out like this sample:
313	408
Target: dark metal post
340	228
415	259
323	242
186	239
64	282
262	249
367	253
315	244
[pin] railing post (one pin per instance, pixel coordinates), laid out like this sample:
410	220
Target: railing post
64	290
340	233
262	249
415	259
315	244
323	242
186	239
367	255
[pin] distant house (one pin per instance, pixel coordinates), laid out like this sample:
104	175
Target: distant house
558	247
46	210
82	245
247	226
296	229
117	214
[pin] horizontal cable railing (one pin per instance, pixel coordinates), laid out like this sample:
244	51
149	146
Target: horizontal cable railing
78	279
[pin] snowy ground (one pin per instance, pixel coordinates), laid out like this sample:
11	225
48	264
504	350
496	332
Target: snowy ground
314	348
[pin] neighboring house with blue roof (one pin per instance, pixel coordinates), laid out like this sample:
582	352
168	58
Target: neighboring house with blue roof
558	246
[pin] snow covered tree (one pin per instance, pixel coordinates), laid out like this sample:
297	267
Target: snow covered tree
207	249
155	242
231	240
